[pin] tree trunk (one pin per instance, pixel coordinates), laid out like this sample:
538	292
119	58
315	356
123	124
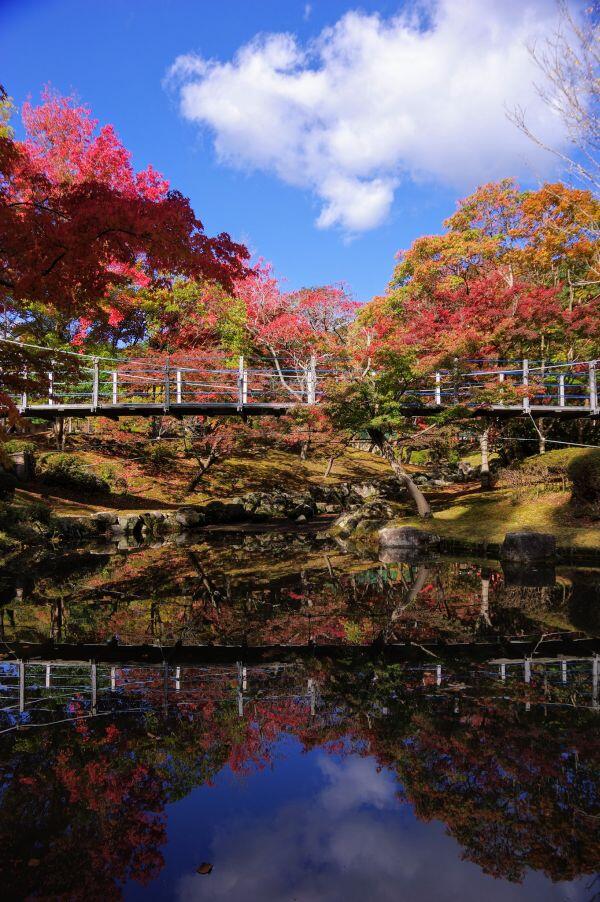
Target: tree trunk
59	434
329	467
485	477
484	608
197	477
542	435
386	449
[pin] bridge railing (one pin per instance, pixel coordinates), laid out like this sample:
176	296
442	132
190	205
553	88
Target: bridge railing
39	693
101	383
524	384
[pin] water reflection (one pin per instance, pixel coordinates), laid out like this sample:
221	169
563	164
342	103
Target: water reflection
440	731
245	590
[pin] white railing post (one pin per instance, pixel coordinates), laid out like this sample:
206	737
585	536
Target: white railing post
21	666
50	387
561	390
178	386
24	395
526	400
501	378
527	670
311	382
48	675
242	383
593	387
94	686
96	384
167	401
438	389
115	387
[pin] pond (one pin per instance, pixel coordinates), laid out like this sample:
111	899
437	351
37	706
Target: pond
276	716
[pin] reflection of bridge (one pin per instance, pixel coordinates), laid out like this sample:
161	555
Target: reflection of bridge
392	652
89	689
79	387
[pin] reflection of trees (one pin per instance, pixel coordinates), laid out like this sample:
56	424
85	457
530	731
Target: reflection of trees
518	788
207	594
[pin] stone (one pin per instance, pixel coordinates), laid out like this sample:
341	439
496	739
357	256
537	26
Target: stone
188	517
223	512
128	524
104	520
23	464
527	545
408	537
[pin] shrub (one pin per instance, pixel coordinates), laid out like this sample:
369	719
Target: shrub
12	517
17	445
584	472
544	471
159	456
71	473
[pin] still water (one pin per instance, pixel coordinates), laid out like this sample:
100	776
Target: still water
277	717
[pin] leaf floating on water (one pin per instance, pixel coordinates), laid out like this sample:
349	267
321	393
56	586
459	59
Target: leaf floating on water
204	868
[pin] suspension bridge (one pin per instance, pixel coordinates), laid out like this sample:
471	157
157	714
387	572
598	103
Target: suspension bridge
67	384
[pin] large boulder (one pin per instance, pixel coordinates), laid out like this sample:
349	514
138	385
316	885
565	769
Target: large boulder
408	537
527	545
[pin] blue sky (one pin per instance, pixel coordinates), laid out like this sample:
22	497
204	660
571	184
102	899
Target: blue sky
348	144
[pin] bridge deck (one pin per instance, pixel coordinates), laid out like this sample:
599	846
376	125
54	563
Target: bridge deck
277	409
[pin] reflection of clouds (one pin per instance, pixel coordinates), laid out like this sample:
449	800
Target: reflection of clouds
354	784
351	841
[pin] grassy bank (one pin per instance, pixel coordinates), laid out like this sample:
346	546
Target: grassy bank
137	487
478	517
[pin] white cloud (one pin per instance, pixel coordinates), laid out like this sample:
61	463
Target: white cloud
347	842
372	102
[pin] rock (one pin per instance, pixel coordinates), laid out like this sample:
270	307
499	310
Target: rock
366	490
528	546
367	517
223	512
23	464
128	524
188	517
528	576
347	523
104	520
408	537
